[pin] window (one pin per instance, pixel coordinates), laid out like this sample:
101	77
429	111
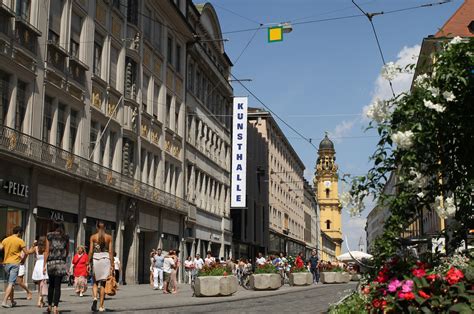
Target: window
170	50
146	80
116	4
55	13
191	77
98	41
132	12
156	92
47	118
328	224
21	105
102	145
113	142
61	124
327	193
157	35
76	27
23	9
93	136
178	58
113	66
4	96
73	129
168	110
176	118
147	24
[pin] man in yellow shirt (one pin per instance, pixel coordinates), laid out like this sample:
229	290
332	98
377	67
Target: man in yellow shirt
13	246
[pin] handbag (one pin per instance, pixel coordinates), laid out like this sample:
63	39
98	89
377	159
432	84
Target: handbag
44	287
110	286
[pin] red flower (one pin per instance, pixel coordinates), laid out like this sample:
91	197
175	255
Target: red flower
384	304
423	294
382	277
431	277
406	295
421	265
366	290
377	303
225	274
418	272
454	275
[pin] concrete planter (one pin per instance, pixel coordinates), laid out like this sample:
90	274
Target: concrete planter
215	286
265	281
301	279
342	277
327	277
356	277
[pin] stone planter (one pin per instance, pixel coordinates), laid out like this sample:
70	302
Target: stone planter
301	279
265	281
356	277
215	286
342	277
327	277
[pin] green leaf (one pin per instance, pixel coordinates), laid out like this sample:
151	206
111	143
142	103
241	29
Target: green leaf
462	308
426	310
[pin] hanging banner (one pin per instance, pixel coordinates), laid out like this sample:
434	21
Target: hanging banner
239	153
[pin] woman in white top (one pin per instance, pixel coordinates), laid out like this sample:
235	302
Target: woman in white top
38	276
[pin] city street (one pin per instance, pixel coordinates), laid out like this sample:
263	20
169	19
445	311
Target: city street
141	298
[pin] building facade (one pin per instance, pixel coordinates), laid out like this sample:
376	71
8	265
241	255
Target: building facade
285	184
93	125
327	194
312	232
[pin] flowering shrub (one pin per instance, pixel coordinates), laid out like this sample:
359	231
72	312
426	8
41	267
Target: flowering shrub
214	270
267	268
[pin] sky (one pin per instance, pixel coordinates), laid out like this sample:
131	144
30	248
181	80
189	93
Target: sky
323	75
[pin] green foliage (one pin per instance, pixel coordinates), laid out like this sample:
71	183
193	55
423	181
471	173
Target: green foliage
267	268
214	270
354	303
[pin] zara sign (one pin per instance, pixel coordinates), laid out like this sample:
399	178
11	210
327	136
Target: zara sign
239	153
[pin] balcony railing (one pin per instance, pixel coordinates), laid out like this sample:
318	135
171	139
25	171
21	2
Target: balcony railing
21	145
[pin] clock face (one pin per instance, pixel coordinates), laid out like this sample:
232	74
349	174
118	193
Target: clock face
327	184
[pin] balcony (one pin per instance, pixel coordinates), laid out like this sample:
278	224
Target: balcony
27	35
14	143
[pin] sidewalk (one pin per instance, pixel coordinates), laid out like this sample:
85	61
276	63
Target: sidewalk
143	297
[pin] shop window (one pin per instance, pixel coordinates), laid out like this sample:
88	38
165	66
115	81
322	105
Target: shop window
21	105
170	242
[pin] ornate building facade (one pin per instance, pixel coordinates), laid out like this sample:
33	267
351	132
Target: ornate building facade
326	183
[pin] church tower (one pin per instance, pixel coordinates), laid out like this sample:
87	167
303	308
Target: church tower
325	182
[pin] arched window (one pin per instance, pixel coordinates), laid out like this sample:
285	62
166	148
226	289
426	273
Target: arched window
327	193
328	224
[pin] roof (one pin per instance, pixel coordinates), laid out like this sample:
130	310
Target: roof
326	143
457	24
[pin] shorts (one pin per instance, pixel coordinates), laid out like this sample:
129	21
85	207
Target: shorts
167	277
21	270
12	272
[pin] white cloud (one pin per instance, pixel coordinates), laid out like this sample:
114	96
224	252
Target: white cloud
342	129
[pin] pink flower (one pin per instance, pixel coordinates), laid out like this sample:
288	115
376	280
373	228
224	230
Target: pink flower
407	286
394	285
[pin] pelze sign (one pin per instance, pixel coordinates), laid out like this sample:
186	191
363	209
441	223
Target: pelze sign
239	152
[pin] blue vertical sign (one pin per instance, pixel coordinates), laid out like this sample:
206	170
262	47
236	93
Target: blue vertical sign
239	153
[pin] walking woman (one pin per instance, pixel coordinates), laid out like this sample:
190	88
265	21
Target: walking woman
79	264
101	255
38	276
55	254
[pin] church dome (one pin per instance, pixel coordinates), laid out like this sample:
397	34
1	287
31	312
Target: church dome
326	143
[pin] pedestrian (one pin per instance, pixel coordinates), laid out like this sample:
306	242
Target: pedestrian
79	265
209	260
168	265
174	272
12	246
260	259
100	256
55	254
117	268
38	277
21	274
314	266
188	269
158	261
299	263
198	262
152	261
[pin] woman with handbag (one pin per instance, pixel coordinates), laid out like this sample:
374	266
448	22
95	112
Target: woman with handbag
79	264
101	255
38	277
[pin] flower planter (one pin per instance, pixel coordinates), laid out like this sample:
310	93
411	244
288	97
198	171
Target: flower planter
215	286
301	279
265	281
356	277
327	277
342	277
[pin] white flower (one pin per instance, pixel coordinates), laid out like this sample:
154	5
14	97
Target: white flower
390	71
436	107
378	111
456	40
445	209
420	195
434	91
354	204
345	199
421	80
418	181
403	140
449	96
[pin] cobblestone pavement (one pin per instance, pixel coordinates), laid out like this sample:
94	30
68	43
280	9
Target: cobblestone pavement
141	298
